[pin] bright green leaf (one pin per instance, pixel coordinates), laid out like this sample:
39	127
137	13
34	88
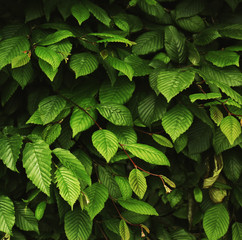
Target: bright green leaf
216	222
83	63
68	185
106	143
78	225
177	121
231	128
97	195
7	214
148	154
138	206
37	164
72	163
138	183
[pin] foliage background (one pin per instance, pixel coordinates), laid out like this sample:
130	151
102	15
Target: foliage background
120	119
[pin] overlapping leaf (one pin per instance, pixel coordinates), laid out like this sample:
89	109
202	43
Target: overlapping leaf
72	163
97	195
25	219
77	224
120	92
138	206
7	214
176	121
138	183
37	164
83	63
172	82
106	143
216	222
10	150
148	42
231	128
116	114
11	48
68	185
148	154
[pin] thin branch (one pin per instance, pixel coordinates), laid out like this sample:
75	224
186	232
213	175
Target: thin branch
84	110
120	215
101	230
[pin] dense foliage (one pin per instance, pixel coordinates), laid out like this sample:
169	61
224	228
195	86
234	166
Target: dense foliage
121	119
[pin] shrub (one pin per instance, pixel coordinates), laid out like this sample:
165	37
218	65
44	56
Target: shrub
121	119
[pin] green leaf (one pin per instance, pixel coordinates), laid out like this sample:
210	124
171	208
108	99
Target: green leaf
50	108
174	197
223	58
83	63
216	222
231	128
151	109
7	214
155	10
181	234
124	187
37	164
204	96
148	154
99	13
111	38
148	42
48	55
55	37
223	79
108	181
78	225
198	194
175	44
221	143
207	36
232	31
20	60
97	195
116	114
188	8
163	141
119	92
125	135
122	22
172	82
232	165
177	121
121	66
11	48
10	150
180	143
51	133
124	230
237	231
216	115
80	120
138	206
141	67
23	75
192	24
80	12
137	182
68	185
72	163
106	143
47	69
25	219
